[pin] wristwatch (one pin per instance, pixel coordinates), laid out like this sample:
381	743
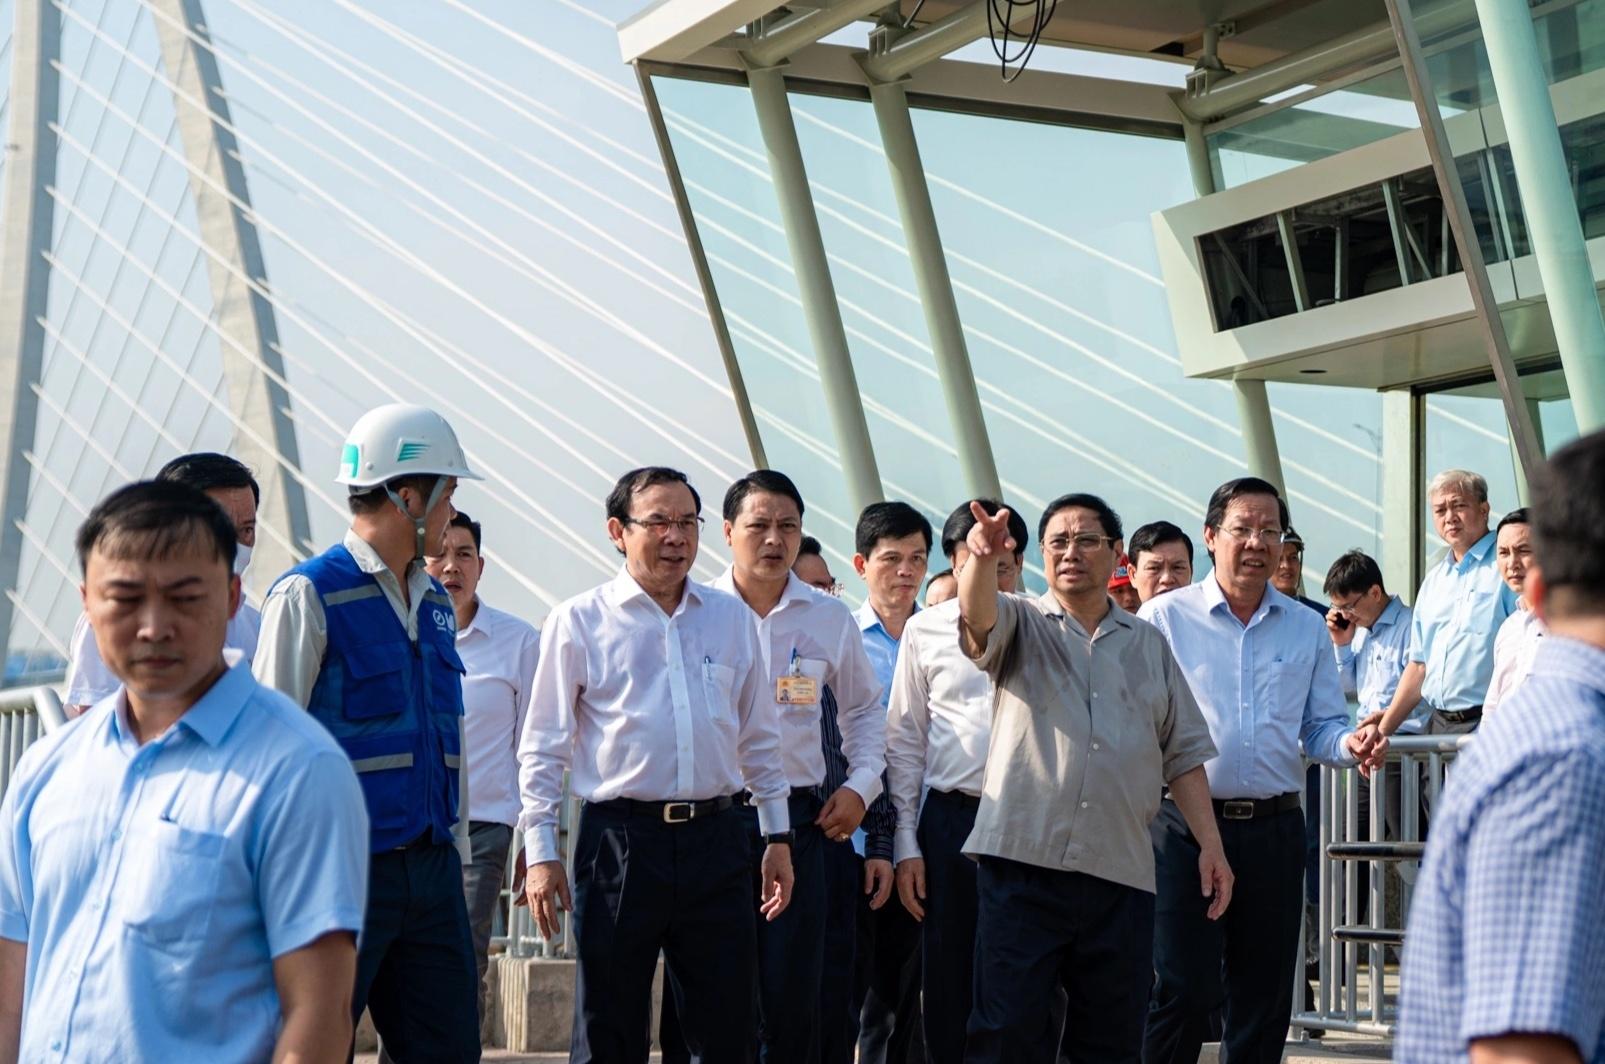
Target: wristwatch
783	838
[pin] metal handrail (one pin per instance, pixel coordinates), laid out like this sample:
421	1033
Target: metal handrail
26	713
1341	933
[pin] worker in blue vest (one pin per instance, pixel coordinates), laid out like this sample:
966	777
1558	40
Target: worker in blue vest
364	639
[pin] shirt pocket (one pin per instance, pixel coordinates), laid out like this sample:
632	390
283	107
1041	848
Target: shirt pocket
1478	619
168	886
376	680
814	669
718	684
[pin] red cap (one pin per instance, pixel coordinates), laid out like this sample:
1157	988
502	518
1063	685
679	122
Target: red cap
1122	573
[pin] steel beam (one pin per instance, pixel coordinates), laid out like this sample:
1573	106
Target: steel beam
806	27
699	262
1548	201
1295	262
929	261
1523	437
243	315
814	285
911	51
26	222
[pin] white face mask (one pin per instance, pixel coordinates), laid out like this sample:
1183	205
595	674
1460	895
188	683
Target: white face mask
242	558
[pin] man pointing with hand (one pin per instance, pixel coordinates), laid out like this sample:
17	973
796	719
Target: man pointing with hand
1092	720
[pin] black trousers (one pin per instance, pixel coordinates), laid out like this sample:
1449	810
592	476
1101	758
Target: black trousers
791	947
1245	960
415	957
887	983
1040	930
838	1011
642	887
947	935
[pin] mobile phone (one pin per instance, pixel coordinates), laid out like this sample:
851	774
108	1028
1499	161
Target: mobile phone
1342	623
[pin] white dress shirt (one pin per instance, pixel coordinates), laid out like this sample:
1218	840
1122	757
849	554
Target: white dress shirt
939	723
1514	648
651	706
89	680
819	631
499	652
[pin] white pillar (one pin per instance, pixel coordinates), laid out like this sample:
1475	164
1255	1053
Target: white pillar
243	315
814	285
26	220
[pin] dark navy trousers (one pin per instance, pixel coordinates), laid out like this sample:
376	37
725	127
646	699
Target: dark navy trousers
1245	960
947	935
791	947
1042	931
838	1004
415	957
642	887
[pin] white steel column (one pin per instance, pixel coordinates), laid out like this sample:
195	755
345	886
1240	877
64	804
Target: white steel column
929	261
814	284
244	316
25	236
1260	452
1548	202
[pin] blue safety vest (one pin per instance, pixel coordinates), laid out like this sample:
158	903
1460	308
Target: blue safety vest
395	706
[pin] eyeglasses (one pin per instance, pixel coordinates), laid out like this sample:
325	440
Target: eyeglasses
659	526
1268	536
1085	542
1347	607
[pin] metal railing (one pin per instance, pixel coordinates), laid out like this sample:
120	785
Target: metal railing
26	713
514	930
1352	930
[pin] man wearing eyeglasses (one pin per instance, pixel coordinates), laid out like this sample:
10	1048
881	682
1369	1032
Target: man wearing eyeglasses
1091	720
651	690
1261	667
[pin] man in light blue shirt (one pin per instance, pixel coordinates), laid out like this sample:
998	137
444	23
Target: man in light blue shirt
183	868
1370	632
1458	610
1505	949
1260	665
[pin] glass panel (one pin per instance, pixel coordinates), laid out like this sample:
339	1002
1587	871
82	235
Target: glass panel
1571	38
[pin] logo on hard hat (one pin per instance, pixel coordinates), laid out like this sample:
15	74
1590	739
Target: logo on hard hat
409	450
350	460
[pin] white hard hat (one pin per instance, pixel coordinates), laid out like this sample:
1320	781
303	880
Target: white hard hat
400	440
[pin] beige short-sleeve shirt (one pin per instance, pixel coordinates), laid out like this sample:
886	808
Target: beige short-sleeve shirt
1086	732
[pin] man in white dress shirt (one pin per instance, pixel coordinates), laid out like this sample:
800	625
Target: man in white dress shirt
1518	637
499	653
937	731
808	642
651	690
231	486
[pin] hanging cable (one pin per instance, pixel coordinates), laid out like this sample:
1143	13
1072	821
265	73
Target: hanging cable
1001	15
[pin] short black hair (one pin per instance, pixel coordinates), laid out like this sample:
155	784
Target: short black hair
768	480
462	520
934	577
958	524
370	500
810	545
889	520
1354	573
1106	515
1568	519
618	500
208	471
1236	489
152	519
1157	534
1519	516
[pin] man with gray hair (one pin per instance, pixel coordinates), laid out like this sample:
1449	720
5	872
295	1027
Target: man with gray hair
1458	611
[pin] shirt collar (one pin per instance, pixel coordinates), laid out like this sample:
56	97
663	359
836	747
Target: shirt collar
482	622
794	591
1479	550
211	717
368	559
1390	614
869	620
1049	604
624	587
1561	657
1215	599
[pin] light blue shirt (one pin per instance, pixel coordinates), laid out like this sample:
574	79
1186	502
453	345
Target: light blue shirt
881	648
1370	666
1505	931
154	885
1458	612
1265	687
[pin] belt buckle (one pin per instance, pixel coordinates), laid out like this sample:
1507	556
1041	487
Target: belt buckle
1237	809
678	812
